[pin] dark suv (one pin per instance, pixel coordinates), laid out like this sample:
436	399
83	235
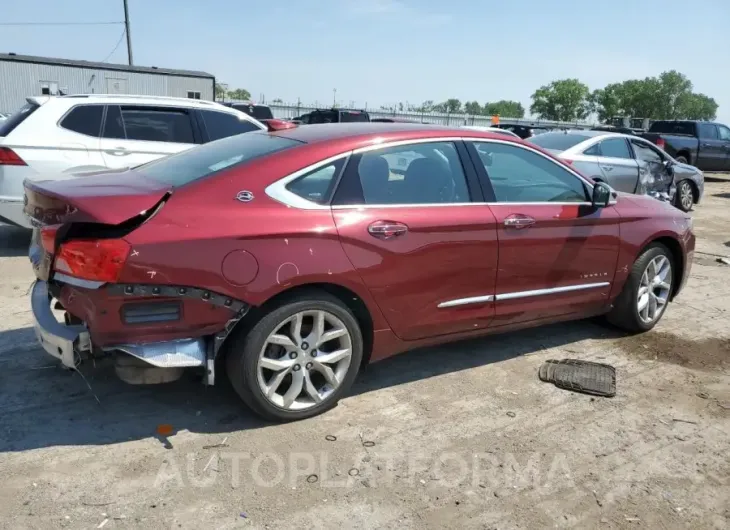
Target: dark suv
334	116
255	110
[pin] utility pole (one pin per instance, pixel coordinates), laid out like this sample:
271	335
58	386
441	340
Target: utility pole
334	97
126	30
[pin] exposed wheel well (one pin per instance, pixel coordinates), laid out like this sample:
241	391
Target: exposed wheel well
676	249
686	156
345	295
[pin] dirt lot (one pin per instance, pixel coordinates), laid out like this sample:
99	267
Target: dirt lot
463	436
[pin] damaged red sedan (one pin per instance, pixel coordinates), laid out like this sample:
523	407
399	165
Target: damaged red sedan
295	257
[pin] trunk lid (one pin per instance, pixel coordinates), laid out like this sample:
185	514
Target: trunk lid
109	197
101	205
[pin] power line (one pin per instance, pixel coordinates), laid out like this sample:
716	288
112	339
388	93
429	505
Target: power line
124	32
59	23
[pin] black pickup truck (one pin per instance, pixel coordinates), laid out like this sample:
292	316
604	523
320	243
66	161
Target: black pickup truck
703	144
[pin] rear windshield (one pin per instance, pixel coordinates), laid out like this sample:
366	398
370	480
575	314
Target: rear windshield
16	119
673	127
557	140
208	159
353	116
260	112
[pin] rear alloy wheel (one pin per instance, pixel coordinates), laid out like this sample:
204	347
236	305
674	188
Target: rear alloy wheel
685	196
298	360
646	294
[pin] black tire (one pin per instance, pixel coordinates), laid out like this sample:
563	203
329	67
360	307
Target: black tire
681	188
244	348
625	313
682	159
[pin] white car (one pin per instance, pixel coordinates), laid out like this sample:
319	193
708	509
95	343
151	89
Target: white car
57	137
491	129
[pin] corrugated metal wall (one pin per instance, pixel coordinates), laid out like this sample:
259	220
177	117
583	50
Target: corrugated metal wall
21	80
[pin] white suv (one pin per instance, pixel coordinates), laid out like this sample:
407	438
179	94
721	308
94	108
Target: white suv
56	137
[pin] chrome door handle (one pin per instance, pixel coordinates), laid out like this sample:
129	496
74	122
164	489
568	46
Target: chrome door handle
518	221
387	229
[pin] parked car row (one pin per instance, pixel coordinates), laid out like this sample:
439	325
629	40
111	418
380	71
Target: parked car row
290	259
60	137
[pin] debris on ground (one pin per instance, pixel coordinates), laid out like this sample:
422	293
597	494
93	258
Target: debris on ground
214	446
724	261
586	377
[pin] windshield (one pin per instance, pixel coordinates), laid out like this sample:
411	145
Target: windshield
208	159
557	141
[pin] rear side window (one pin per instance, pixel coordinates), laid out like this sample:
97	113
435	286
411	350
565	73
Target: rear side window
615	148
318	185
260	112
557	141
157	125
84	119
222	124
673	127
16	119
349	116
206	160
707	130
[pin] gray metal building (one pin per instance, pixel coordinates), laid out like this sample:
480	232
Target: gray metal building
22	76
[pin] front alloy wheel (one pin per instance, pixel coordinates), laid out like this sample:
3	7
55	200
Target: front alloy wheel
304	360
654	289
685	196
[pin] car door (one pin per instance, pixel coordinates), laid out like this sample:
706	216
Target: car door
137	134
219	125
712	152
724	134
79	144
654	174
412	221
557	254
619	169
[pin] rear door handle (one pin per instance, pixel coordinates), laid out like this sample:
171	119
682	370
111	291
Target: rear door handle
119	151
518	221
387	229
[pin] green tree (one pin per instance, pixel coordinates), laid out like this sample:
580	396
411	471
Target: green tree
607	102
472	107
240	94
563	100
696	107
220	91
426	106
452	105
277	101
505	108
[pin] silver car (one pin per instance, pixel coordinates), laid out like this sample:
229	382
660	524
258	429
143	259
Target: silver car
626	163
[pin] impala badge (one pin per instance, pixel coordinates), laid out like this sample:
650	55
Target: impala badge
244	196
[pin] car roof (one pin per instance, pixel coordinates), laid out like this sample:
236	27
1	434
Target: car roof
383	131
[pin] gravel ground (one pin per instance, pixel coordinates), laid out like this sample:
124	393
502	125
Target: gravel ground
463	436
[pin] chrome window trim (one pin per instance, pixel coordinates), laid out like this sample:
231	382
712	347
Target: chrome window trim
280	193
521	294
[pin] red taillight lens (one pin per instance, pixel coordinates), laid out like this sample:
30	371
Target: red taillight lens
8	157
48	238
660	143
92	259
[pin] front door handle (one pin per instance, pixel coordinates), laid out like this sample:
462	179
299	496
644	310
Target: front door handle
607	168
387	229
706	145
518	221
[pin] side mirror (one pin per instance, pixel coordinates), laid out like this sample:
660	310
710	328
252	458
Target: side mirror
669	167
601	195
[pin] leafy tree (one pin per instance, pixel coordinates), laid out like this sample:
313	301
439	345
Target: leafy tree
472	107
607	102
563	100
696	107
220	91
505	108
240	94
277	101
452	105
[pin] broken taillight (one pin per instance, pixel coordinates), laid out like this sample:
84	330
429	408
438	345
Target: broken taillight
48	238
92	259
8	157
660	143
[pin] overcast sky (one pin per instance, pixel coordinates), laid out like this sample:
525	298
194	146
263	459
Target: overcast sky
387	51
